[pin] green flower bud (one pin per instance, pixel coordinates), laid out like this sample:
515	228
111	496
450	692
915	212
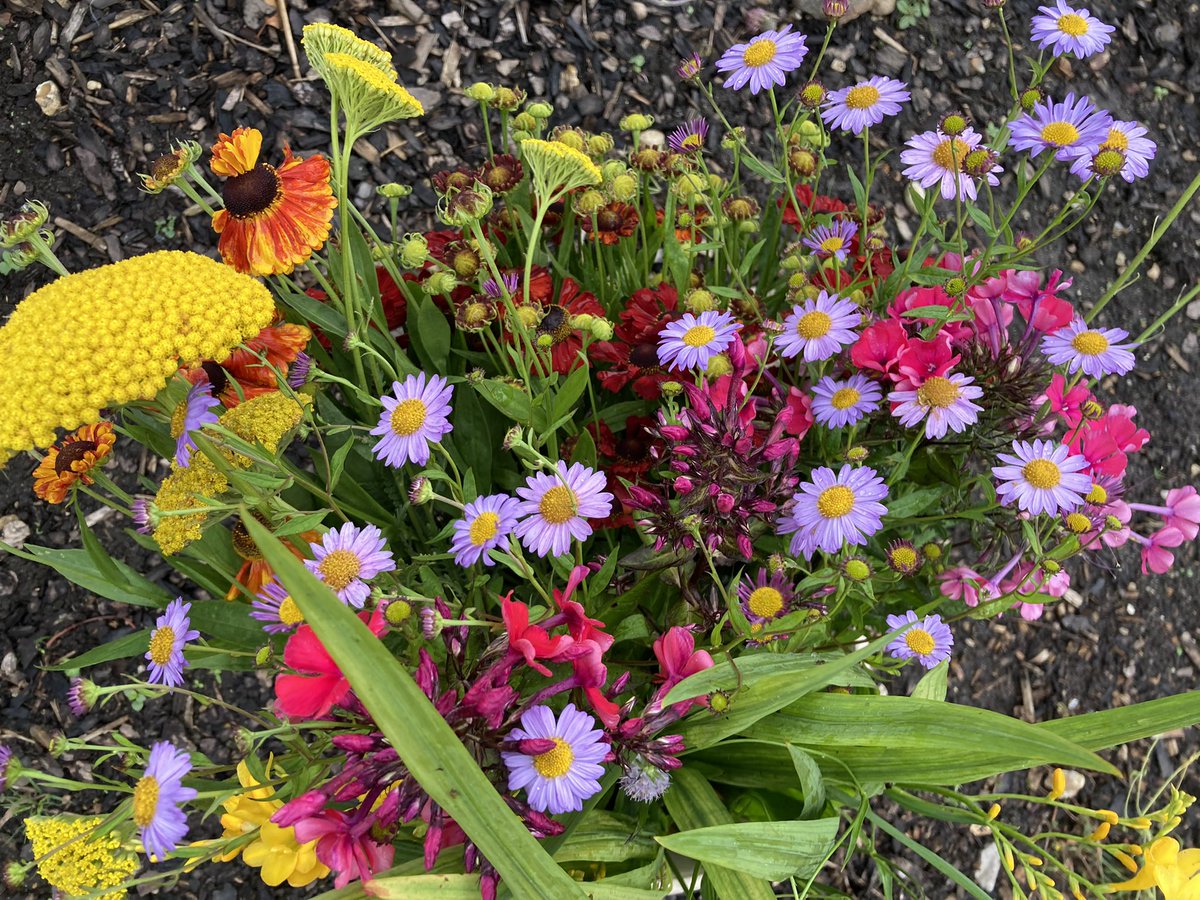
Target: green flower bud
540	110
397	611
508	99
442	283
523	121
394	191
602	329
589	202
624	188
481	91
599	144
856	569
636	122
414	251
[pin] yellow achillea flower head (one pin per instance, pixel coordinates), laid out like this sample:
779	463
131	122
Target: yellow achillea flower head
321	39
557	167
368	97
266	418
116	334
82	866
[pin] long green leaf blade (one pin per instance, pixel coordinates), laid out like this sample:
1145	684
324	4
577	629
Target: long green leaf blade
771	850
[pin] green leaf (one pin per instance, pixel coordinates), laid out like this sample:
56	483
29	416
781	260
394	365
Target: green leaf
932	685
432	752
76	566
105	565
811	782
509	399
337	462
569	392
930	857
606	837
913	503
130	645
692	804
771	850
227	623
753	667
306	522
430	335
473	437
584	452
770	173
417	887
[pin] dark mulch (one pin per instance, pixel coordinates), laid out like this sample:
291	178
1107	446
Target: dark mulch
134	75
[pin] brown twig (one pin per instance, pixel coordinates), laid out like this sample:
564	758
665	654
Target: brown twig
285	25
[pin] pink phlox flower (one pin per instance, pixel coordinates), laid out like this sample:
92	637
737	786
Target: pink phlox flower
965	584
923	359
678	658
344	843
1156	557
1067	404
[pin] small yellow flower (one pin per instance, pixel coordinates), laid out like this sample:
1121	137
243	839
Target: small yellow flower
85	866
1171	870
320	39
555	166
367	95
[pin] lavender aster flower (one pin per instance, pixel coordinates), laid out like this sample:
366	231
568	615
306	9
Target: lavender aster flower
864	104
1065	30
767	598
298	373
81	695
557	780
833	510
933	158
690	67
1096	351
511	281
486	522
1071	129
143	513
558	506
171	633
840	403
193	414
644	781
832	240
157	797
691	341
8	765
1043	477
1130	139
688	138
346	559
764	60
275	606
942	402
819	328
413	419
928	640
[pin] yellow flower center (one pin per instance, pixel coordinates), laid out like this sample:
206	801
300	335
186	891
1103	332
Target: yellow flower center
835	501
904	557
814	324
1060	134
759	53
833	243
864	96
177	419
937	391
145	800
1042	473
691	142
845	398
557	762
1116	140
484	528
289	612
920	641
699	335
765	602
408	417
339	568
558	505
951	153
162	642
1090	343
1073	24
1097	495
1078	522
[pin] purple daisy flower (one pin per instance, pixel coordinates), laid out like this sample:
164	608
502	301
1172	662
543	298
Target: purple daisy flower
837	404
820	328
1097	351
832	240
298	373
688	138
196	413
275	606
691	341
943	402
558	506
928	640
933	158
346	559
833	510
1065	30
1071	129
864	104
1130	139
558	779
81	696
486	522
764	60
8	766
690	67
1043	477
510	280
171	633
413	419
157	797
767	598
142	510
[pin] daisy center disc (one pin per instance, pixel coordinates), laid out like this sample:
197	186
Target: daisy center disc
1060	134
162	642
289	612
339	568
1097	495
920	641
835	501
937	391
484	528
74	452
864	96
765	602
904	558
814	324
252	193
408	417
1116	140
1078	522
557	505
833	243
845	398
145	800
1073	24
759	53
699	335
951	153
1090	343
557	762
1042	473
244	545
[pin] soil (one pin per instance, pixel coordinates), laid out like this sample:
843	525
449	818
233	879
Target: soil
135	75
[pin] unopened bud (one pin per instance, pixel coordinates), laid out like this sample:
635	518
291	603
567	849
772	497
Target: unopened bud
812	95
396	611
719	702
670	388
1030	98
539	109
636	122
394	191
602	329
414	251
420	491
953	124
507	99
481	91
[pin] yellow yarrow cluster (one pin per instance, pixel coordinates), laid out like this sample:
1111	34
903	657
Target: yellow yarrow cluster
115	334
321	39
266	419
83	866
554	165
368	96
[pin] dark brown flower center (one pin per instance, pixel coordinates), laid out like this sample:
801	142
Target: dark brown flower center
249	194
72	453
244	545
644	356
632	448
609	220
216	376
555	323
167	166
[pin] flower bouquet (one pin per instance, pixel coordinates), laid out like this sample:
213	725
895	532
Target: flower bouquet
591	539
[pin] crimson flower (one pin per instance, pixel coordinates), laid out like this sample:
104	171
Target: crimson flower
532	642
632	354
1105	442
590	671
878	346
678	657
320	684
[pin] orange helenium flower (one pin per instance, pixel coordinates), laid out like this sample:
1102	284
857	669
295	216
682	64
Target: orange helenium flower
279	344
274	218
71	460
256	571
